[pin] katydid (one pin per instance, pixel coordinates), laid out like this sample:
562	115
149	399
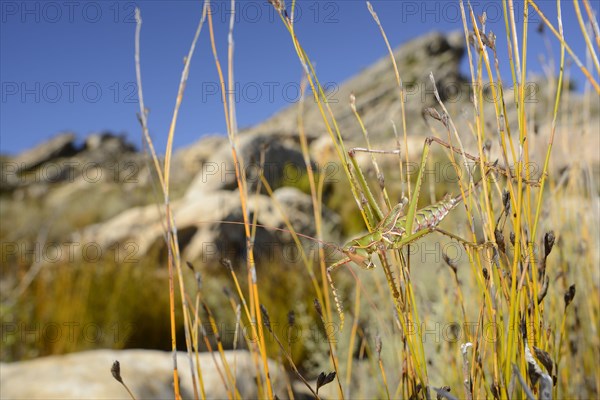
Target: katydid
396	230
393	233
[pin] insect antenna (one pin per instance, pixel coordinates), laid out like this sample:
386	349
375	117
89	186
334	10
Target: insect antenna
323	242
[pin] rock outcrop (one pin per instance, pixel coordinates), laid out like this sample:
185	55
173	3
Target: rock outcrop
279	159
61	160
377	93
208	226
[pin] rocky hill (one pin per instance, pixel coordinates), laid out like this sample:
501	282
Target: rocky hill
377	94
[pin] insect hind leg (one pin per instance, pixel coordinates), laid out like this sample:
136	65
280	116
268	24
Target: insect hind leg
466	243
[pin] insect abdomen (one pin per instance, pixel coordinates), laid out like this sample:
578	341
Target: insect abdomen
432	215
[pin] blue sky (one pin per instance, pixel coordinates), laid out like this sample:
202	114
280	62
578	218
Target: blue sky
70	65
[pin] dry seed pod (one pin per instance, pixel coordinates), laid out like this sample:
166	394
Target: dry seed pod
544	358
323	379
486	42
318	307
540	28
432	112
549	240
486	274
499	236
277	4
489	40
266	319
569	295
227	264
450	262
506	201
381	180
492	40
115	370
353	102
483	18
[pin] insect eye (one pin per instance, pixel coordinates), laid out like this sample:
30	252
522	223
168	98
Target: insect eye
352	249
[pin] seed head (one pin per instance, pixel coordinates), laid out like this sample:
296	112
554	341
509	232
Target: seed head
544	358
506	201
318	307
323	379
277	4
569	295
266	319
227	264
115	370
500	240
549	240
190	265
451	263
